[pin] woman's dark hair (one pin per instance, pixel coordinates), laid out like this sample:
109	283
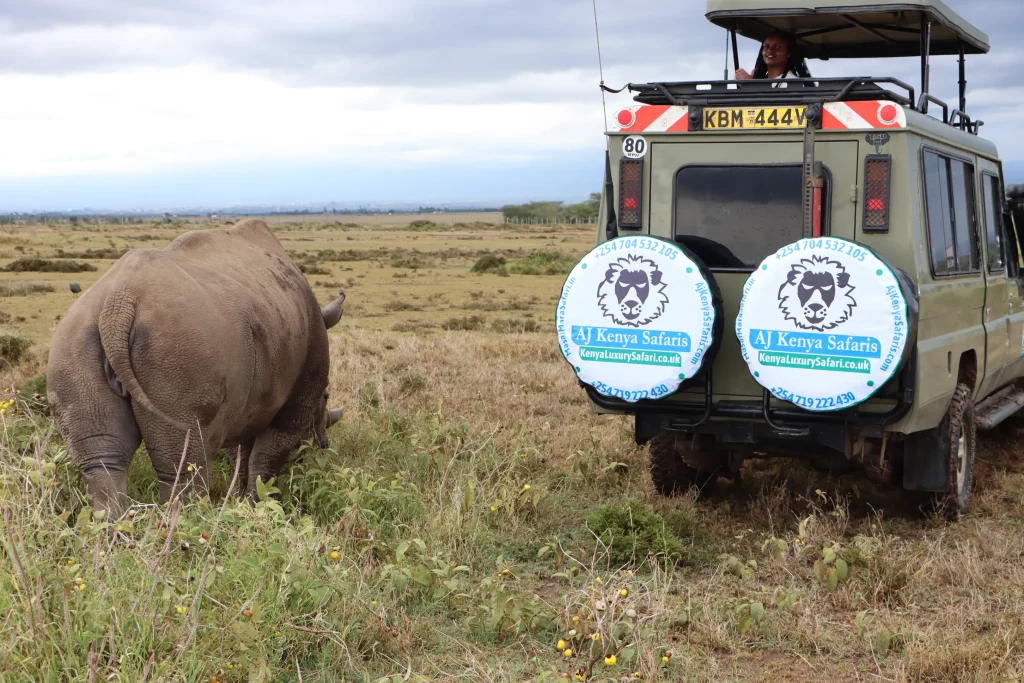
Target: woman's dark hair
796	63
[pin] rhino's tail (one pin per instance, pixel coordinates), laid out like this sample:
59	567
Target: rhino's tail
115	324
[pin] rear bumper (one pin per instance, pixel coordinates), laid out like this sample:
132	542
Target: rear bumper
755	422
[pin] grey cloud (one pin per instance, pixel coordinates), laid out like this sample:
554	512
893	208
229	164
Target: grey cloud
423	44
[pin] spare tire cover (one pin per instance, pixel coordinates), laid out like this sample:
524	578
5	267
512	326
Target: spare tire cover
638	316
825	322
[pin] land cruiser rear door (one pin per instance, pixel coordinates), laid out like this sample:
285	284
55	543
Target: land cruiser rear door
737	198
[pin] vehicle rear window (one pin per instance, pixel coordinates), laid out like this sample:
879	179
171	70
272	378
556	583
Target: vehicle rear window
732	217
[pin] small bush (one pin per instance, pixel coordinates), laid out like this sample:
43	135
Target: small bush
412	326
466	323
490	263
544	263
411	261
411	383
12	349
34	387
400	305
39	265
109	253
314	270
515	325
632	532
25	289
422	226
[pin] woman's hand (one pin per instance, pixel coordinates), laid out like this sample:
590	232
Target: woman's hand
743	75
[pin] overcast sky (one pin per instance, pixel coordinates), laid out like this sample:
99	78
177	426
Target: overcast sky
128	103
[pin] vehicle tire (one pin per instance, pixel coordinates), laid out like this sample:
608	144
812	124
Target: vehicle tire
669	473
957	427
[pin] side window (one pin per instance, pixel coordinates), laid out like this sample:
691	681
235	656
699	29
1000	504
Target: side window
940	222
994	224
965	215
952	214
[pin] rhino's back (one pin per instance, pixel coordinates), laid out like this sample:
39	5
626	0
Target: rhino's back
218	313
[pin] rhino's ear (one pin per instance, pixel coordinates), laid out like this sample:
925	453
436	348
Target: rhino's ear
332	313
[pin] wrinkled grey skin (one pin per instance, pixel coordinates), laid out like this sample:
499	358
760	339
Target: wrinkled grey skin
218	333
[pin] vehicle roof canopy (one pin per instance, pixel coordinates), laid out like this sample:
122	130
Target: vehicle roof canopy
848	28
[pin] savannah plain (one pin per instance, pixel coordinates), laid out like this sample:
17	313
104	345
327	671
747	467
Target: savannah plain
471	512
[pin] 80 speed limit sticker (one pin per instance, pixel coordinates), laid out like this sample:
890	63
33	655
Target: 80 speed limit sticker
634	147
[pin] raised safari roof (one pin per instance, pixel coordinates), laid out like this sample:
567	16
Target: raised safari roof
848	28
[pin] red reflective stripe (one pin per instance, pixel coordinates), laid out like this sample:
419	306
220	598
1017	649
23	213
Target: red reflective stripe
869	112
682	125
830	122
645	116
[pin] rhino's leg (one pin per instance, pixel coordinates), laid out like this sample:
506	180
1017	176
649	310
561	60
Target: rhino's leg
179	471
240	456
269	453
97	423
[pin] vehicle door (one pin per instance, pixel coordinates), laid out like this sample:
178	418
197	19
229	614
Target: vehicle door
952	316
1011	242
1002	292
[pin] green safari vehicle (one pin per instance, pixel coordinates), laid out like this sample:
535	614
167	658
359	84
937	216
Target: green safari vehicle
825	268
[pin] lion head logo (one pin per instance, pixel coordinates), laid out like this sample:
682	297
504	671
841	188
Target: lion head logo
816	294
632	292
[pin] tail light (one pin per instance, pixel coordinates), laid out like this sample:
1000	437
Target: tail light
631	183
876	192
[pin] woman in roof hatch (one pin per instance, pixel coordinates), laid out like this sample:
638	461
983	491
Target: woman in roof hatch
779	58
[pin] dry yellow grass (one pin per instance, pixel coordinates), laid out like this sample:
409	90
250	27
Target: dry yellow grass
439	408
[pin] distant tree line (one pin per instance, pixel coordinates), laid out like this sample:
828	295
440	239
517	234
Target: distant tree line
553	211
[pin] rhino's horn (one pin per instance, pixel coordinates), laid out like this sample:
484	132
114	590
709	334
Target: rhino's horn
333	416
332	313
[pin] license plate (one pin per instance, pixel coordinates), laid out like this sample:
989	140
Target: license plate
744	118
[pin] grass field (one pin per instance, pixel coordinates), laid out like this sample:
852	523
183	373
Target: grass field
472	512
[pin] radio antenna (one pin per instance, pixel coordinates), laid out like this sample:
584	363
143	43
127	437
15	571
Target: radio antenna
600	67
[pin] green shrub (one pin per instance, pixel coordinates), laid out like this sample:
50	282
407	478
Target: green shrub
544	263
314	270
34	387
411	261
632	532
423	226
109	253
490	263
12	349
40	265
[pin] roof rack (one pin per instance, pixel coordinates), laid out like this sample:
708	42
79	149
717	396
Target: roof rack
797	90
